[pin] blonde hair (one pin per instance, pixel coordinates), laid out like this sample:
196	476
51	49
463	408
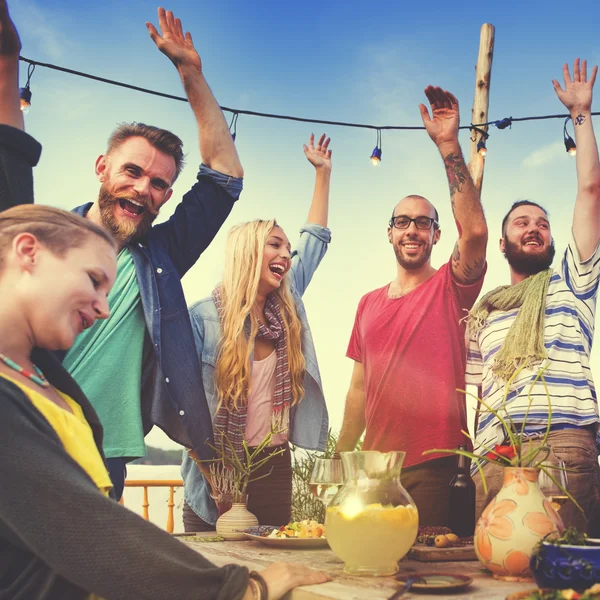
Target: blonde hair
239	288
56	229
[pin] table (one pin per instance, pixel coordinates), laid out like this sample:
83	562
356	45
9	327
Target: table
256	556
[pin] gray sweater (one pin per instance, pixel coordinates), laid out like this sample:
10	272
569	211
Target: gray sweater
60	538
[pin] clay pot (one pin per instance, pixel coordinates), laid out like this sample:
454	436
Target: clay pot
513	523
232	523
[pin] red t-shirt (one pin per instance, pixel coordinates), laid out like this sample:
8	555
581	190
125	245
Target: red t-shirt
413	353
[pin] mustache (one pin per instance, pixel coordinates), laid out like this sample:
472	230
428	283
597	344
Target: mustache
110	199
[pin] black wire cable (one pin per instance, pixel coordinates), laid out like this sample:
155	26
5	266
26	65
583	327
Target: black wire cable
503	123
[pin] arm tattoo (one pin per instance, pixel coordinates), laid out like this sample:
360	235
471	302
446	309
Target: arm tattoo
580	119
455	256
472	271
469	272
456	171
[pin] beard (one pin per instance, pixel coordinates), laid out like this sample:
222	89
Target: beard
524	263
123	230
411	263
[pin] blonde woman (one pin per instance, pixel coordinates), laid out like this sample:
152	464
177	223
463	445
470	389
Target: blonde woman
259	365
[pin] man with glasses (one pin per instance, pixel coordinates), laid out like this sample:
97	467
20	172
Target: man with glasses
408	337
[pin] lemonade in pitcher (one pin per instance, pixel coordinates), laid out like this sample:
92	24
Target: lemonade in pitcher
372	522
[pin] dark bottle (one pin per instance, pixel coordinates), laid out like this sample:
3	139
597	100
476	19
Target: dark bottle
462	498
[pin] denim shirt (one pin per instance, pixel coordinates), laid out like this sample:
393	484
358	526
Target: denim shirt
309	422
172	393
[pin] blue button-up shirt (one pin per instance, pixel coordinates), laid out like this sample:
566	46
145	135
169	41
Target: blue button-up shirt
172	393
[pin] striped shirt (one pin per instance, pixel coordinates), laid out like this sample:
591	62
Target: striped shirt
568	336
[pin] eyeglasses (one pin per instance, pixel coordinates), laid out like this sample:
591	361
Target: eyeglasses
402	222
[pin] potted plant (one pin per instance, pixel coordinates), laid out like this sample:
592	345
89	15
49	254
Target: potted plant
519	516
229	475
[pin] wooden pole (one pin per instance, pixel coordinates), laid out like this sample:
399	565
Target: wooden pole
483	75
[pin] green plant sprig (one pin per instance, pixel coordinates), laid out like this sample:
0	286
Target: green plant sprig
525	454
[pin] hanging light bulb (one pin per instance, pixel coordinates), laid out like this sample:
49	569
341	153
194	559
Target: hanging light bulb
570	145
233	125
25	94
376	156
481	149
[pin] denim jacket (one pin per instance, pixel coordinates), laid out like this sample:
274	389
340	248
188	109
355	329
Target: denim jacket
309	421
172	394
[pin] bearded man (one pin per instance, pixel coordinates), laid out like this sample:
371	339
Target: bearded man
543	322
408	338
139	367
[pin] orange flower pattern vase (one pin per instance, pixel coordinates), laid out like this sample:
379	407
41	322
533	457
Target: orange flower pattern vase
513	523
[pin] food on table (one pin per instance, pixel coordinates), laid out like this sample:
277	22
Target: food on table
442	537
299	529
372	538
592	593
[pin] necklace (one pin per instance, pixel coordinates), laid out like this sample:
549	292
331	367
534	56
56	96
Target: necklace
40	379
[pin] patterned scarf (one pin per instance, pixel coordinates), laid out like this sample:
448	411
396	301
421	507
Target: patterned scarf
523	345
231	423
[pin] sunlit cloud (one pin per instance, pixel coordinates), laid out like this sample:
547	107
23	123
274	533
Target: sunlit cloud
543	156
40	30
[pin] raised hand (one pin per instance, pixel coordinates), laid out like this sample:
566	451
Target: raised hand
442	126
577	95
320	156
173	43
10	44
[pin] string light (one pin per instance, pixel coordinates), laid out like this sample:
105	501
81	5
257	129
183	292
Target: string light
504	123
376	154
25	92
570	145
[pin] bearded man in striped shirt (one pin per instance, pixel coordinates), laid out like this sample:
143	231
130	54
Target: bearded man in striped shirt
545	320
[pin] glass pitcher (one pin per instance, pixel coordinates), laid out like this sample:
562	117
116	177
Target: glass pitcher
372	521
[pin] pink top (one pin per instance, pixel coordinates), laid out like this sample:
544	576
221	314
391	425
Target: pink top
260	402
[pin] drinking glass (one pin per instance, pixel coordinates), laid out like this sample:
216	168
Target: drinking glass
326	478
555	495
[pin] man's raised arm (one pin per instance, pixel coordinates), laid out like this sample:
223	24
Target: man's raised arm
10	47
468	258
577	98
216	144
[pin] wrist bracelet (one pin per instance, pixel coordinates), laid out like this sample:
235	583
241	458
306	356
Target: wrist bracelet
261	585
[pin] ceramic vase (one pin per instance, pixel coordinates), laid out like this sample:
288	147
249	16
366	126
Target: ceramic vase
232	523
513	523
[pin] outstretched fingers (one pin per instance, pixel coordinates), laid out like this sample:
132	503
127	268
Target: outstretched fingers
424	114
593	76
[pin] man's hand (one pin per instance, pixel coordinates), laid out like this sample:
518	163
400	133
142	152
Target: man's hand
10	44
577	95
320	156
179	48
442	126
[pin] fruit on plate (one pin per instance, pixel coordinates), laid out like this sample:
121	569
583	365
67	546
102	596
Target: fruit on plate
299	529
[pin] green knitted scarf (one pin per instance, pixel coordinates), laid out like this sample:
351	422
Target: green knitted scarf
523	345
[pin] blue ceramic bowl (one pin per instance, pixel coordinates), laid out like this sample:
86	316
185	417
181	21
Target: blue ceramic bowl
564	567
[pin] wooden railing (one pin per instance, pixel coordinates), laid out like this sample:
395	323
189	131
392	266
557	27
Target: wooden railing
146	483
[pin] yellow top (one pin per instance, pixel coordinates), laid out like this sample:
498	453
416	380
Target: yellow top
73	431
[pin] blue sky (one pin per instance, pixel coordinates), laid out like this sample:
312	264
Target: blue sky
345	61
